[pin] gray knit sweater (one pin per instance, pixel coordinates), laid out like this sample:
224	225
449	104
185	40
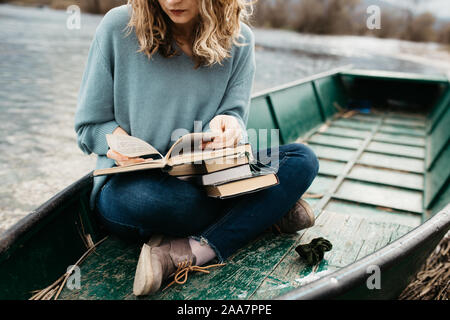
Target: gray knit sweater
156	100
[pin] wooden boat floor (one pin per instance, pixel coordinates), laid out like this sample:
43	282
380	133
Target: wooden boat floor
368	193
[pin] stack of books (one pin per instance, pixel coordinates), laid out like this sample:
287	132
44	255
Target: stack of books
223	173
227	176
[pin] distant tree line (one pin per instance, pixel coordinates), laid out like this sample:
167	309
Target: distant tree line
90	6
338	17
335	17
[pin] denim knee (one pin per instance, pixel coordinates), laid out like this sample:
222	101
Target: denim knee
309	161
125	232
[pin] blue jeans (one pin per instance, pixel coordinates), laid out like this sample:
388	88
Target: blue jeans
136	205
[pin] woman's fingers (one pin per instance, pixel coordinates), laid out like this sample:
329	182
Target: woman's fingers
116	155
129	161
229	138
217	124
229	131
121	159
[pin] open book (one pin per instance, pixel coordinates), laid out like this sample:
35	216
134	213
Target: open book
186	149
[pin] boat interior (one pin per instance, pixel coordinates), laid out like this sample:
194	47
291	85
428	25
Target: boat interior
382	140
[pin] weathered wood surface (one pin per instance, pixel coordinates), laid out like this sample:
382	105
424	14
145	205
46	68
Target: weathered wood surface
400	139
109	273
397	149
329	140
376	214
380	195
388	177
392	162
346	132
352	238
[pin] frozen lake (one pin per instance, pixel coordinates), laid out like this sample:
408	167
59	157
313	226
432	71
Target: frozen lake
42	62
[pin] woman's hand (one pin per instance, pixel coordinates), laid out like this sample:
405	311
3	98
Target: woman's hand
229	132
120	159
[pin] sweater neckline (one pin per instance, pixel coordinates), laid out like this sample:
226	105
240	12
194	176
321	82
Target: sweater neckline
182	53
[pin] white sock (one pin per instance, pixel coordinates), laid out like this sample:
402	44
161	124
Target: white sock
202	252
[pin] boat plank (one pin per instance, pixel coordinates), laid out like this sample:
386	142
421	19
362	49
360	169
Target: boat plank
379	234
329	167
400	115
375	213
346	132
330	93
438	110
439	139
406	122
437	177
263	122
396	149
417	132
366	117
321	185
400	139
332	153
400	199
385	176
441	201
392	162
297	111
291	273
354	124
330	140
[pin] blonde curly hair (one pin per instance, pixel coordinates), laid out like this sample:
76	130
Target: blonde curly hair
215	33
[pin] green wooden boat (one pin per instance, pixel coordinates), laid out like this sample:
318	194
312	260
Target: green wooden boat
381	198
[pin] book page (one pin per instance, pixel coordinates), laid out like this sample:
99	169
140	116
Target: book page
209	154
130	146
189	143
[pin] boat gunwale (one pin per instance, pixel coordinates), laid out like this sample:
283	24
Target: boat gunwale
308	79
397	76
25	227
348	70
348	277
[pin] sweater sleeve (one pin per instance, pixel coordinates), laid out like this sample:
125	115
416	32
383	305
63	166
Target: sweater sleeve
236	101
94	116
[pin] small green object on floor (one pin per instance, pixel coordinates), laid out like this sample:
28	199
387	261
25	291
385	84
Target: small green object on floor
313	252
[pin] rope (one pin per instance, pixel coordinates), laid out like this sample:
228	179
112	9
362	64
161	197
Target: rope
314	251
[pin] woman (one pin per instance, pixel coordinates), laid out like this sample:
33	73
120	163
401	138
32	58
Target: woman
180	66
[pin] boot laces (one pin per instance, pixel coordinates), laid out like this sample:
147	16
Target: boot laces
184	267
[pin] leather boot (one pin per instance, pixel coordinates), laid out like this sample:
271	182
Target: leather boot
161	259
299	217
